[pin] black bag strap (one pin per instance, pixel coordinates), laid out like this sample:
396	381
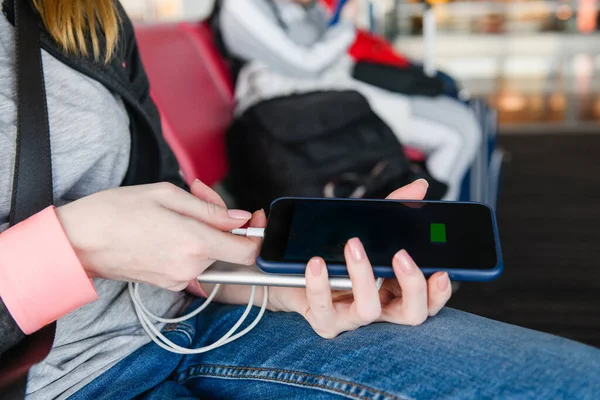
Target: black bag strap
32	187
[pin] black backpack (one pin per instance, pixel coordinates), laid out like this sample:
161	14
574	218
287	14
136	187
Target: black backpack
318	144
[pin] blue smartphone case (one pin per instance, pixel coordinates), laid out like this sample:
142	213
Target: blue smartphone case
465	275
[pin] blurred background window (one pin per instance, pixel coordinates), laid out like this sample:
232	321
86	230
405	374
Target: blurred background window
167	10
536	61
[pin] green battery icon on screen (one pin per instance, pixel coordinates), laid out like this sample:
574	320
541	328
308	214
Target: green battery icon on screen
438	233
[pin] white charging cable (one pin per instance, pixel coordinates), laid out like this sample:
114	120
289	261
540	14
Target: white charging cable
146	317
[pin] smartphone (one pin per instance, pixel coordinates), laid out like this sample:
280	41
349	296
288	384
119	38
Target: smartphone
460	238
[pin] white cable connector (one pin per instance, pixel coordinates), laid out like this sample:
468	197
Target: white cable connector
250	232
146	317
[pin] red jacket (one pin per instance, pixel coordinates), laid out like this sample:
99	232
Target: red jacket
373	48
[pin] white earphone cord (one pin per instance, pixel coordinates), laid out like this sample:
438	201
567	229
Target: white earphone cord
145	316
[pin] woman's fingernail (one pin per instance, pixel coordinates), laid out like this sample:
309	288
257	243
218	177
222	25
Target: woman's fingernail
406	262
423	182
443	281
239	214
357	251
315	267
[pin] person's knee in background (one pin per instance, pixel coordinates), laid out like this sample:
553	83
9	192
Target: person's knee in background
444	148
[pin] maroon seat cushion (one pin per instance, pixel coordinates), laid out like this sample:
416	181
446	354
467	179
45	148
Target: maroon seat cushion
192	88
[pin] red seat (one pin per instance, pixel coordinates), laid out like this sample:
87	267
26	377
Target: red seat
193	91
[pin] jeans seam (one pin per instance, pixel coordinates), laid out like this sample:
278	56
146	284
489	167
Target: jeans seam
308	380
178	330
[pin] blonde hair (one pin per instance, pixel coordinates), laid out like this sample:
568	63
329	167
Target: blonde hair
72	22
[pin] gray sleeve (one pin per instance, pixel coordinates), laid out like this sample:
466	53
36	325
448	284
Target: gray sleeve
10	333
251	33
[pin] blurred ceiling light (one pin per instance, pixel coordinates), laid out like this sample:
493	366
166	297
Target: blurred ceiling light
583	68
511	102
583	64
168	9
557	102
597	108
586	16
564	12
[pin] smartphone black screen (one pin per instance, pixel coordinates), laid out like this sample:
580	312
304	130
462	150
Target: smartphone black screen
437	235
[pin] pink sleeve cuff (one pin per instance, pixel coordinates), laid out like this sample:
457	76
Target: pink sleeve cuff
41	278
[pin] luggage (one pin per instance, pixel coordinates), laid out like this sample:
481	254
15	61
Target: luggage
317	144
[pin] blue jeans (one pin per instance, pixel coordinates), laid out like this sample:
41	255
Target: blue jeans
454	355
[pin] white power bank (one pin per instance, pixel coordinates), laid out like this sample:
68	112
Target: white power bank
234	274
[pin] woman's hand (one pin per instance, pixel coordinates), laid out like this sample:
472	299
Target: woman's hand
409	299
157	234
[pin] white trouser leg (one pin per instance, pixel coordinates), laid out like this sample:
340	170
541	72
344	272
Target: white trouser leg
450	151
394	109
445	148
